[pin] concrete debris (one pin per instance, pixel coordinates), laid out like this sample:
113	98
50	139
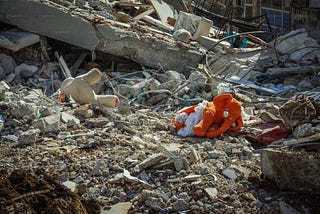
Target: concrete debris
111	37
69	119
3	89
212	193
119	208
230	173
7	65
25	71
71	185
151	161
156	57
15	39
288	169
28	137
48	124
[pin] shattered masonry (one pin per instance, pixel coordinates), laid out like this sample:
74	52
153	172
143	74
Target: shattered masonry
65	151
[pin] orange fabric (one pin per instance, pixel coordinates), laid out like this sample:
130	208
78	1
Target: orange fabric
214	123
188	110
62	97
176	124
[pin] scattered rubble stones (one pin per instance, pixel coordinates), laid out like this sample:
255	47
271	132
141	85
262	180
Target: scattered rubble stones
131	156
22	109
7	65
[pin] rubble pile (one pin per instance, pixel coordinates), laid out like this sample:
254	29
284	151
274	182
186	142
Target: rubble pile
23	192
130	159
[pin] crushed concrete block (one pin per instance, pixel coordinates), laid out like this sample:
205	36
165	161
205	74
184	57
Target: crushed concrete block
16	39
212	193
25	70
69	119
295	170
145	49
7	65
10	77
115	38
182	35
155	203
70	185
230	173
119	208
32	95
49	21
85	112
181	205
3	88
48	124
28	137
22	109
293	41
207	43
151	161
304	130
198	81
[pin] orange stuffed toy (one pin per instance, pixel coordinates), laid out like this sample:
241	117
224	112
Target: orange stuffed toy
223	114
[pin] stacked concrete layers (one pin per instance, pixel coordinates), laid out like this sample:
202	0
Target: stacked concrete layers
64	24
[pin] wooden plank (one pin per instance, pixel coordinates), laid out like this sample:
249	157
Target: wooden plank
78	62
163	10
63	66
145	13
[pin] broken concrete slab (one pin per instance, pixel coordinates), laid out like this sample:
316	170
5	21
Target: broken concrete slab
293	41
49	123
212	193
294	170
69	119
25	70
145	49
70	185
48	21
16	39
119	208
116	38
29	136
7	65
208	42
151	161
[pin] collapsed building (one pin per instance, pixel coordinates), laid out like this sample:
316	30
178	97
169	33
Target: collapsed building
162	57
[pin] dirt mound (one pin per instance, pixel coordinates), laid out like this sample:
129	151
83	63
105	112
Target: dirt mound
25	192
